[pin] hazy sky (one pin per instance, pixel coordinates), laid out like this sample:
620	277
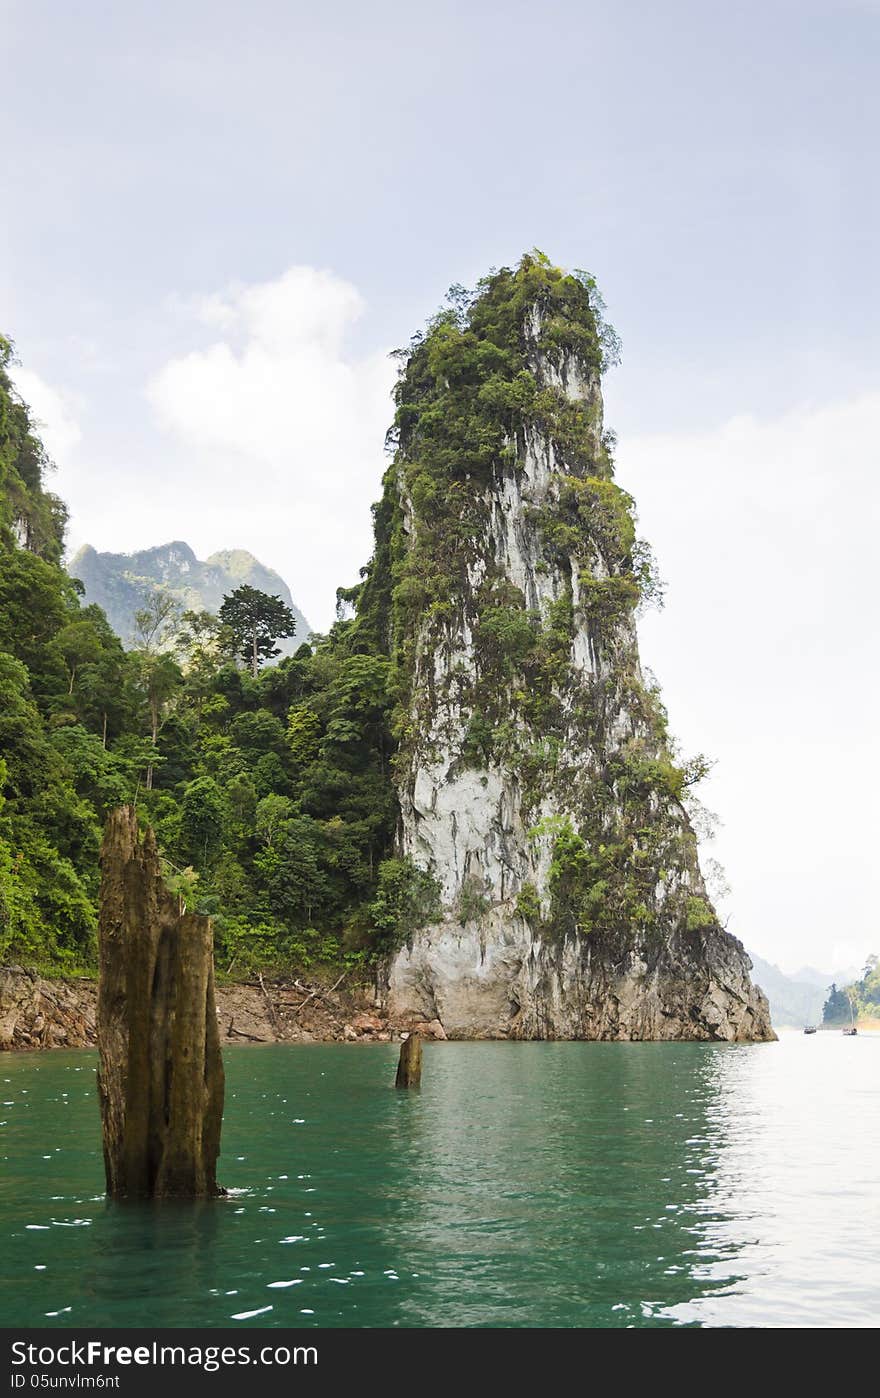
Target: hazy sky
216	219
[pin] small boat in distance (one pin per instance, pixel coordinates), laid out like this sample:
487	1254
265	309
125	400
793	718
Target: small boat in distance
811	1028
849	1032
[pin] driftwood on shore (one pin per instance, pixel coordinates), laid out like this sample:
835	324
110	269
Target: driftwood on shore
160	1076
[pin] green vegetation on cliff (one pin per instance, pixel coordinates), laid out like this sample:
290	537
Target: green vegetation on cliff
499	400
467	398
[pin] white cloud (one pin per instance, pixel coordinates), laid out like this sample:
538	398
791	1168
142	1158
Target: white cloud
280	429
767	533
54	411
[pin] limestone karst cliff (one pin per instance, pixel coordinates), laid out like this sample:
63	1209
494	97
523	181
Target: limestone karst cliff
541	806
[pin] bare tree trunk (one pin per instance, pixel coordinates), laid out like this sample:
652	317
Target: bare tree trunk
160	1078
409	1069
154	733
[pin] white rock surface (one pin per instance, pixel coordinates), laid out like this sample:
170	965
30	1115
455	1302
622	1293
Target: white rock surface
492	980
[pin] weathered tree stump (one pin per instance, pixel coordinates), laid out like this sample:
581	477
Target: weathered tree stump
409	1068
160	1075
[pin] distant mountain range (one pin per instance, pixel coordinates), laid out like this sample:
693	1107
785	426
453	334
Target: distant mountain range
120	583
797	999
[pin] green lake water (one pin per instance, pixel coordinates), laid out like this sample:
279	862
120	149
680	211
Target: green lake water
524	1185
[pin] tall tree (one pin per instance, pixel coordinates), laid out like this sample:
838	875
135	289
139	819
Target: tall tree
160	676
155	626
79	645
156	621
256	621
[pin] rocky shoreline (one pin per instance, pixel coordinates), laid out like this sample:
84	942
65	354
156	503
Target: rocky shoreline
37	1012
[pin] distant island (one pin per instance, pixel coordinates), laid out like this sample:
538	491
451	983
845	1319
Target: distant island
858	1001
816	997
121	583
799	998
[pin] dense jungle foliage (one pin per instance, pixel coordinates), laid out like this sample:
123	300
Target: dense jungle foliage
268	787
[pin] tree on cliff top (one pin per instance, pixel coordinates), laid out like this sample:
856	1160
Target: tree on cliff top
256	621
29	514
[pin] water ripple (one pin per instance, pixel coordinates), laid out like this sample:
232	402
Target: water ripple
525	1185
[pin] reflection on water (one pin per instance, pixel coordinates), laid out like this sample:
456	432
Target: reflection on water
553	1187
794	1197
525	1185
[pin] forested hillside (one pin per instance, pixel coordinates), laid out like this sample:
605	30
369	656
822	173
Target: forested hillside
270	793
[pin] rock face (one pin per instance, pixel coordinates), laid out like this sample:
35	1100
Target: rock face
495	980
36	1013
534	775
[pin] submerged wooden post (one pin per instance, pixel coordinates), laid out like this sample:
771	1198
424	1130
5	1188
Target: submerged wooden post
409	1068
160	1074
